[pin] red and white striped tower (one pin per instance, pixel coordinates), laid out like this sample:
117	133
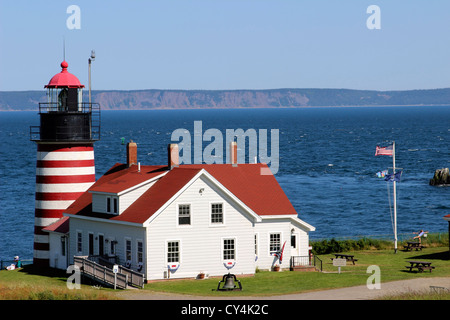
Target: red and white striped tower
65	165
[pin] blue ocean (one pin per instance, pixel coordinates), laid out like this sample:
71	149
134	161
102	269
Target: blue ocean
327	163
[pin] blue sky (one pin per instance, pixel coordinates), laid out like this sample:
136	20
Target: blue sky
227	44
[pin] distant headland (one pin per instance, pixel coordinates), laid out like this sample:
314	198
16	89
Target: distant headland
268	98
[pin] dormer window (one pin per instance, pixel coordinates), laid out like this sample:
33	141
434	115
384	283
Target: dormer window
112	205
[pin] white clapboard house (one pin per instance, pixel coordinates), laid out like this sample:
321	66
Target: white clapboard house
177	221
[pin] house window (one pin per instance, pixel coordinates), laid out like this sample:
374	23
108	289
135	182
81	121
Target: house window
293	241
256	244
115	205
229	249
217	213
63	246
184	214
140	252
112	205
112	247
274	242
128	250
79	242
173	251
91	244
101	245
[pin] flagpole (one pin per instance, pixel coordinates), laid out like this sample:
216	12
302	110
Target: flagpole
395	199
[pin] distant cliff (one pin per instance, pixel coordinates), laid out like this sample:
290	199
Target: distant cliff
273	98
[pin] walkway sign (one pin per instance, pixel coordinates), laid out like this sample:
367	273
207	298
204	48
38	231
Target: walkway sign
339	263
115	270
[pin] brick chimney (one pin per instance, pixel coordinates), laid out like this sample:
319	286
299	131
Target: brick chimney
233	153
131	153
173	155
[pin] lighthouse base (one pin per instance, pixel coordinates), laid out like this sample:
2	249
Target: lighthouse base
64	171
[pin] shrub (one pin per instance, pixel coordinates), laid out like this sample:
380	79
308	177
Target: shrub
364	243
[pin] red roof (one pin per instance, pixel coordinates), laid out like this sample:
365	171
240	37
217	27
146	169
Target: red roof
261	193
117	179
64	79
60	226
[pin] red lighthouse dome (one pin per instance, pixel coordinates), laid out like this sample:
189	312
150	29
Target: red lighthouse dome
64	79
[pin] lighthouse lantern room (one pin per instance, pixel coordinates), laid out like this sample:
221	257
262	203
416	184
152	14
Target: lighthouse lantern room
65	166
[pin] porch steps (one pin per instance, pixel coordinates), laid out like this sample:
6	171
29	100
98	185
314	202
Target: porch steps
303	268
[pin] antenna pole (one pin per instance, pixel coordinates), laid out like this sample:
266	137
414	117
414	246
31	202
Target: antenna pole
91	58
89	82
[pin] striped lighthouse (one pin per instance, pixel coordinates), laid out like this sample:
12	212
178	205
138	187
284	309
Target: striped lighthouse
65	165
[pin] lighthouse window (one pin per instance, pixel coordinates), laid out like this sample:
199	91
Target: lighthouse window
62	99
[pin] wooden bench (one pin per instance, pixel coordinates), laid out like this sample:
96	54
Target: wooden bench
413	245
420	266
347	257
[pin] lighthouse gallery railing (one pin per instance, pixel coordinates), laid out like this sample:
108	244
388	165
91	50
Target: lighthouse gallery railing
54	108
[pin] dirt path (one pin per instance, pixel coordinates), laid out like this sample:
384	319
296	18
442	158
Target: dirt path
351	293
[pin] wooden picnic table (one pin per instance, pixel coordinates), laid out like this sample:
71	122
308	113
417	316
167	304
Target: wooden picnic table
420	266
413	245
345	256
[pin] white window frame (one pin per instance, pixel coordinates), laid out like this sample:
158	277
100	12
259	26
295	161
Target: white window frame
295	235
137	251
256	243
223	249
183	225
216	224
79	242
112	205
110	246
98	242
64	243
91	233
271	252
179	251
128	239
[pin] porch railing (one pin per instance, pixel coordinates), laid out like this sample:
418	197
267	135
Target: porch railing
100	273
306	261
135	278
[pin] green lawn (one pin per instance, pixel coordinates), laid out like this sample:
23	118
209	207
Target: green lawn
28	283
392	267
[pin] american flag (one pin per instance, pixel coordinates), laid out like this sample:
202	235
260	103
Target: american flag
384	151
279	254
